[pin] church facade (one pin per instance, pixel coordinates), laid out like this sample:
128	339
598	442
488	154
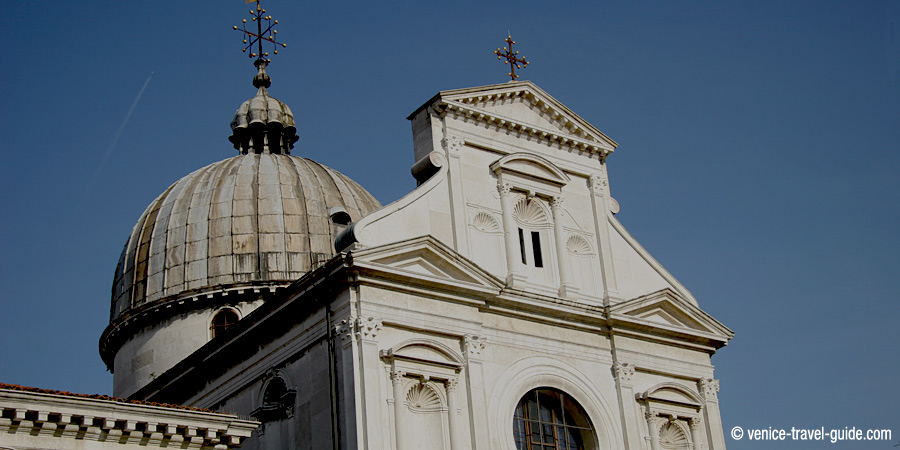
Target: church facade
499	305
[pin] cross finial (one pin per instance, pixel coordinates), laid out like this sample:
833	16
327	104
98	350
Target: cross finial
511	58
267	34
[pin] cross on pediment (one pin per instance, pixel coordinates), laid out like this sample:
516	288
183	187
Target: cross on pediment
512	58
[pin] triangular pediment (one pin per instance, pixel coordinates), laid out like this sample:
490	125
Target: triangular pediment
666	310
524	107
427	259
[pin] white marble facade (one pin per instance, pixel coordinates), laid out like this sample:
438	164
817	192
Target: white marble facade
504	276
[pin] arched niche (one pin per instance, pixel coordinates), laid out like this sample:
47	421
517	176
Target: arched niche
276	398
672	412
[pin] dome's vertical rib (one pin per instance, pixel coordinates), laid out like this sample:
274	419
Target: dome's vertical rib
282	237
320	242
245	258
295	220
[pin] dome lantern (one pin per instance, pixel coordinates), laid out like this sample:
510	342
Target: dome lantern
263	124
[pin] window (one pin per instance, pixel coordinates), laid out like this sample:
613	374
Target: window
222	321
522	245
547	419
536	249
277	401
536	253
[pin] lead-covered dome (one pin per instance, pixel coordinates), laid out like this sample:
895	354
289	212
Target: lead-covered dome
253	217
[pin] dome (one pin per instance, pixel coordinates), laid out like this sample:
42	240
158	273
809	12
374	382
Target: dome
251	218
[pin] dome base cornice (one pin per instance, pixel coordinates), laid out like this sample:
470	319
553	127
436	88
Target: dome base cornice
127	325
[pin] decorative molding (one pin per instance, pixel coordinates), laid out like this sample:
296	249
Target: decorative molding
474	345
504	188
579	139
578	245
423	398
529	212
452	384
486	223
671	435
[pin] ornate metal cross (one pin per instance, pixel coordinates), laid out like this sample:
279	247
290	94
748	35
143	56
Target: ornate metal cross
267	34
511	58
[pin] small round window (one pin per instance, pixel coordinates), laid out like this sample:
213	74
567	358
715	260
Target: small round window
548	419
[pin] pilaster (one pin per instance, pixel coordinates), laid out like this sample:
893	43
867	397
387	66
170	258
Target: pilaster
478	420
567	289
370	383
709	390
453	146
628	406
600	202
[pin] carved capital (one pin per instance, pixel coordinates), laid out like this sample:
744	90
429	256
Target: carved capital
624	371
556	202
452	384
368	328
650	415
453	144
599	184
694	423
345	329
397	376
474	345
709	387
504	188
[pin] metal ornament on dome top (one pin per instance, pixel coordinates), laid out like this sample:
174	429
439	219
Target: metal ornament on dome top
511	58
257	38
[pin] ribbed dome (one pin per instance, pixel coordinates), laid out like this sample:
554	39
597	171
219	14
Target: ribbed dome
253	217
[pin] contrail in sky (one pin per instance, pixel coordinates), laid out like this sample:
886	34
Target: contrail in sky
112	145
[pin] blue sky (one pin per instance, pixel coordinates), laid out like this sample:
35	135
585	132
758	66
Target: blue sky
759	159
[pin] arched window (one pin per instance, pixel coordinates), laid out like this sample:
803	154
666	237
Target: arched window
548	419
534	233
277	401
222	321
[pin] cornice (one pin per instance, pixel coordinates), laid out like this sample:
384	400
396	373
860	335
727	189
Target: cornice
126	325
53	416
503	122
